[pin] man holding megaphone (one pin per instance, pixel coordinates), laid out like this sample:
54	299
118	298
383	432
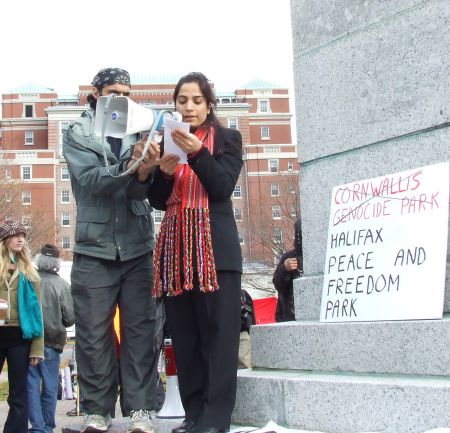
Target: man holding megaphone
113	264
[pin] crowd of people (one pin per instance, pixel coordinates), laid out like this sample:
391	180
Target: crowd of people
193	270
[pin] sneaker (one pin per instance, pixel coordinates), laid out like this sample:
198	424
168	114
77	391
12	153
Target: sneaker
140	422
93	423
73	412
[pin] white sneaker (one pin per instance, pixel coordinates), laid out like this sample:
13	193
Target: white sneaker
93	423
141	422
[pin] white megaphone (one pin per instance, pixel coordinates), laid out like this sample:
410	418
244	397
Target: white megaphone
172	407
120	116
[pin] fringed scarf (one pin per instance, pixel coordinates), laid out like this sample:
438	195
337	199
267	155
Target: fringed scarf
185	236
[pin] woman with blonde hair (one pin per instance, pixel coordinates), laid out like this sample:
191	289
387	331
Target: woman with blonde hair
21	330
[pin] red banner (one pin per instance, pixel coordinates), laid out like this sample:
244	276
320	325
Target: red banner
265	310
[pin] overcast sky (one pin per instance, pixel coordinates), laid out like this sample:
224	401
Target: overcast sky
61	44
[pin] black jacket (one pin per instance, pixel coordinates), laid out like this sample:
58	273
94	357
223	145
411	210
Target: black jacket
218	173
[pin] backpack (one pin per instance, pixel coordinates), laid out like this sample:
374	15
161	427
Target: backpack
247	311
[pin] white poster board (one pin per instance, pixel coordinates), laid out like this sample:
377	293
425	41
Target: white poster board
387	247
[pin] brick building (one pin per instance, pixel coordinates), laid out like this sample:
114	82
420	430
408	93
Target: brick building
266	200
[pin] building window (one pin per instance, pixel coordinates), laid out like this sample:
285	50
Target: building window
237	191
66	242
157	216
65	196
241	238
293	212
65	219
65	172
238	214
26	172
29	138
63	127
8	196
278	235
28	110
26	221
290	166
263	105
7	173
273	165
26	197
292	190
265	133
276	212
233	123
274	190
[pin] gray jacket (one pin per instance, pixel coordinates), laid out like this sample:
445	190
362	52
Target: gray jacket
113	214
57	309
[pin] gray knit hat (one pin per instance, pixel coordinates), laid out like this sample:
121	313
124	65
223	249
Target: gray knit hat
10	228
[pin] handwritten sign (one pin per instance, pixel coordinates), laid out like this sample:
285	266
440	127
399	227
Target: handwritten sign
387	248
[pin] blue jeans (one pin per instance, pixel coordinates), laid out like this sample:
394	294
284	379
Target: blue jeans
42	399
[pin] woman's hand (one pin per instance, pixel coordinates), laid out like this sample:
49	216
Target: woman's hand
186	141
168	164
35	361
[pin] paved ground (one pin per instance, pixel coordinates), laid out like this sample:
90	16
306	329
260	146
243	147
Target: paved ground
65	424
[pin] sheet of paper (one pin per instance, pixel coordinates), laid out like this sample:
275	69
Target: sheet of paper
169	145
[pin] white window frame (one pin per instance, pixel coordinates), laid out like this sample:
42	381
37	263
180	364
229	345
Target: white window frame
26	221
7	172
65	216
65	239
278	235
233	123
274	165
65	196
157	216
276	212
26	198
263	106
63	126
237	213
8	197
25	111
274	189
265	133
22	172
64	170
29	138
237	193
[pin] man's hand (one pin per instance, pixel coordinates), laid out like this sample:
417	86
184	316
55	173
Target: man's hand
150	159
290	264
35	361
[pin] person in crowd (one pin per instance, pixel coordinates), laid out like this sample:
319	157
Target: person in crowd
288	269
113	264
198	262
21	327
57	307
247	320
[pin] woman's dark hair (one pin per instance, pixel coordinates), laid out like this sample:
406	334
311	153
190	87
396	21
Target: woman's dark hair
207	92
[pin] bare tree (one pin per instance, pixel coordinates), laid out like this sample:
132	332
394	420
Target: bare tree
39	221
272	230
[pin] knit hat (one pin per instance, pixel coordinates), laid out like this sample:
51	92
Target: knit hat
10	228
50	251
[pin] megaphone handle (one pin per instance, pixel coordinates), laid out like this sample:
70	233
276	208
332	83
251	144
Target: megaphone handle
105	116
147	144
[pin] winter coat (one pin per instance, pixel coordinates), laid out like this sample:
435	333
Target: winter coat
113	215
9	292
57	308
283	283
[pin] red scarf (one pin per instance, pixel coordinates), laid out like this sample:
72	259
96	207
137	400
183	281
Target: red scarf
185	233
